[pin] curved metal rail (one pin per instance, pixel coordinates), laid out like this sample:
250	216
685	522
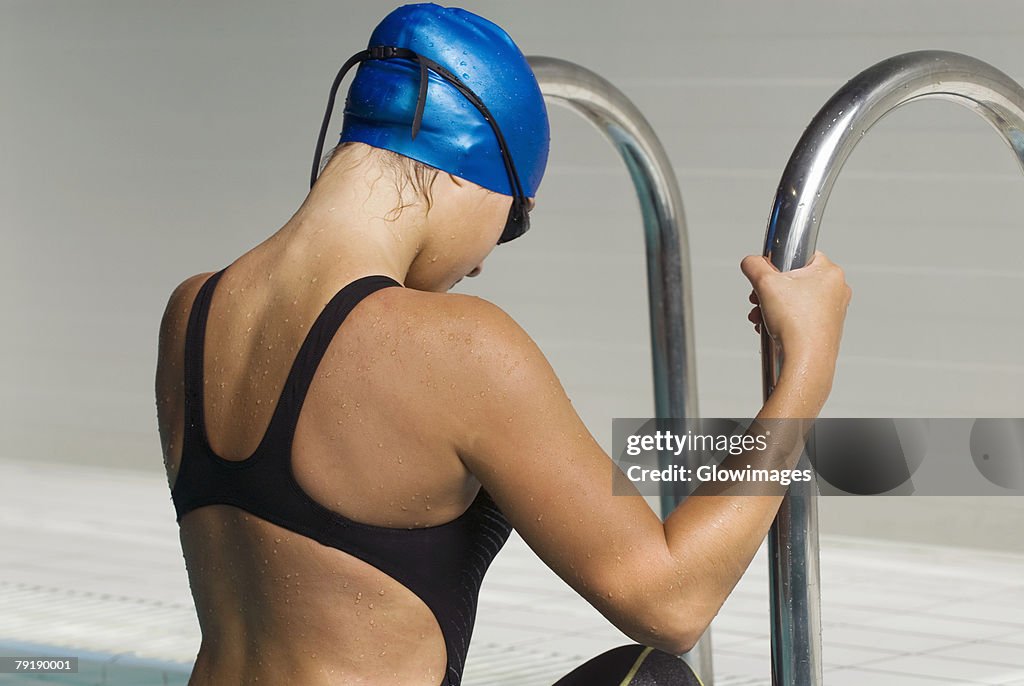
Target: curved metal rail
668	255
790	242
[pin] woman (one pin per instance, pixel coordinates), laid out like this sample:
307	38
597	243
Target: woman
347	455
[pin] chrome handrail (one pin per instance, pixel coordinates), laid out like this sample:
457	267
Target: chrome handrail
668	255
790	242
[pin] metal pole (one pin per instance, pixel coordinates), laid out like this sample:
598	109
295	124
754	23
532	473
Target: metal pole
668	255
790	242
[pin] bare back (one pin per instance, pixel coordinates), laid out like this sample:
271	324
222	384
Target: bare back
275	605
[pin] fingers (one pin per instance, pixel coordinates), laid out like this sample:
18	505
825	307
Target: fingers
755	318
754	266
819	261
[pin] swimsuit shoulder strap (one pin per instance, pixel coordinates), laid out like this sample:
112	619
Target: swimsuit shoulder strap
195	334
320	335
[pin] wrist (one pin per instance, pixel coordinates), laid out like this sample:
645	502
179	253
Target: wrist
818	358
806	379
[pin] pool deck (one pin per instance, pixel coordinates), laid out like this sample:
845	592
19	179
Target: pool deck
91	562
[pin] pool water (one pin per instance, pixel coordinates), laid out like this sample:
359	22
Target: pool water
95	669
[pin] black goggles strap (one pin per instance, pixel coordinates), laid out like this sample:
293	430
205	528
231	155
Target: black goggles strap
383	52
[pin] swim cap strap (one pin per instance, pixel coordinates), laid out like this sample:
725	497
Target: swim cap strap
421	99
351	62
377	52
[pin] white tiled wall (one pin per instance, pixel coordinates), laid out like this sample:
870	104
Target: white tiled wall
143	142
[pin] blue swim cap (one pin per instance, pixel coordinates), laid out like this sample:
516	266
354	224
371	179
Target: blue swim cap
454	136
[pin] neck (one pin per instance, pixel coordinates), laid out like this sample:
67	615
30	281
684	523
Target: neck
348	225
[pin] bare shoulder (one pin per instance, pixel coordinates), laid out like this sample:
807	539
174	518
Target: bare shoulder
466	329
474	362
179	304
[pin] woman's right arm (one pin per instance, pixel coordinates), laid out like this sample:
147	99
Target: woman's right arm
517	432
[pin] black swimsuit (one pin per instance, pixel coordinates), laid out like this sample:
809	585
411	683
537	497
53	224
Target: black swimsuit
443	565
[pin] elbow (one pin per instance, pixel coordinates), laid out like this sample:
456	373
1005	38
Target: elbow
673	642
666	615
684	642
669	627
